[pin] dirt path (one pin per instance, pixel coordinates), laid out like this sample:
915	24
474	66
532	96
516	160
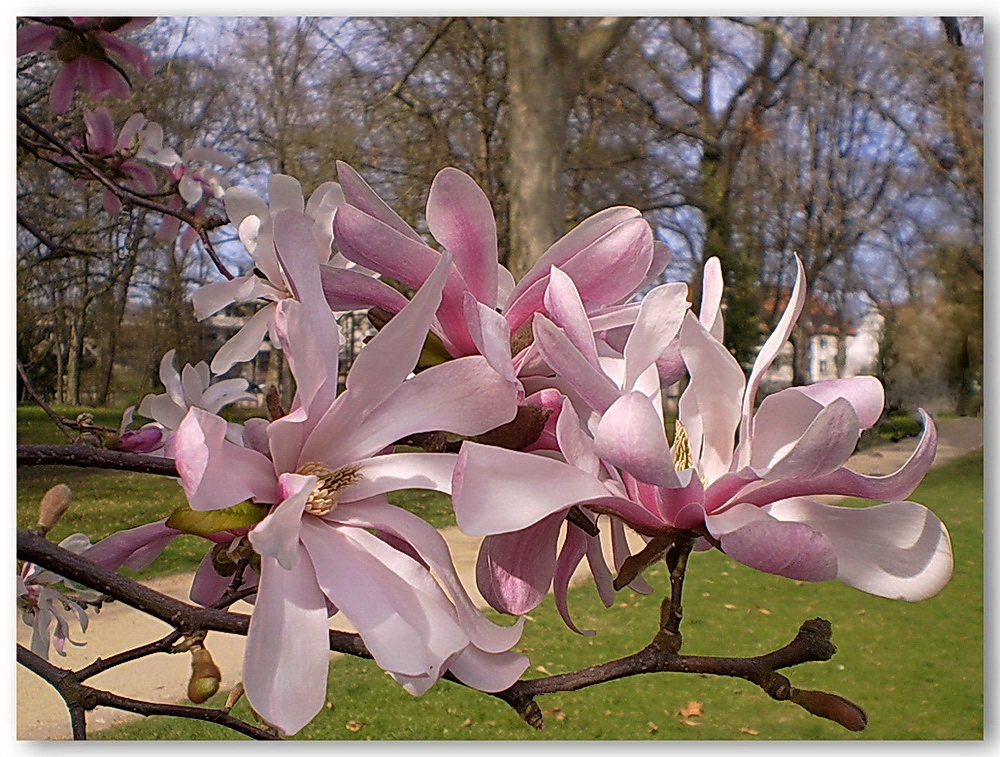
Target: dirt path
41	714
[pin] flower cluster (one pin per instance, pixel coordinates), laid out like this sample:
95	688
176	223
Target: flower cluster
306	492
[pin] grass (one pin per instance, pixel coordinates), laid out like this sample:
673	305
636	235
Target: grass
917	668
108	501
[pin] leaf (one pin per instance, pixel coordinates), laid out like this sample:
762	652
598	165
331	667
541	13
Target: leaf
354	725
212	521
692	710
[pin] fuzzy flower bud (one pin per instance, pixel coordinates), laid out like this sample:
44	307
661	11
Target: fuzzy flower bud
54	503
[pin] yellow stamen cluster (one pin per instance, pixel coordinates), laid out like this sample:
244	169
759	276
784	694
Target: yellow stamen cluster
683	459
682	448
323	497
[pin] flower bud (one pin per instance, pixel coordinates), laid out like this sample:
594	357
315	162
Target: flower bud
55	502
833	707
205	675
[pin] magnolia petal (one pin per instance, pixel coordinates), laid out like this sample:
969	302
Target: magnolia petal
134	548
426	402
497	490
767	354
284	193
207	586
211	298
586	233
656	326
899	550
563	304
626	249
347	289
514	570
487	671
288	646
593	386
430	547
894	486
241	203
215	473
574	548
779	423
460	217
758	540
710	312
401	613
277	535
363	197
709	407
388	358
246	342
405	470
574	443
865	393
491	335
824	446
630	436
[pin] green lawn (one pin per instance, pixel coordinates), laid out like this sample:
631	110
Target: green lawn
916	668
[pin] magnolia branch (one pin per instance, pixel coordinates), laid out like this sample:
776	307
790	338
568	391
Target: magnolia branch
812	644
201	225
79	698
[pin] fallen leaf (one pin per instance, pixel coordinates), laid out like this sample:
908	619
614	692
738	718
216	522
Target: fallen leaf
556	713
652	727
690	722
692	710
762	611
541	669
751	731
730	607
355	725
467	722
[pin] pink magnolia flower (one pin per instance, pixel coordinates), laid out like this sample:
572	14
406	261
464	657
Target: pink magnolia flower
42	602
483	312
254	220
192	387
191	173
331	540
515	570
741	479
91	53
118	153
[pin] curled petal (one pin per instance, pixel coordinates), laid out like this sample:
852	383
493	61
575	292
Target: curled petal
899	550
216	473
514	570
277	535
791	549
894	486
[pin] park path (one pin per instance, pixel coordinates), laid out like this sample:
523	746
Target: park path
41	714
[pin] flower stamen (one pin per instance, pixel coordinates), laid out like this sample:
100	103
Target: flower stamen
324	496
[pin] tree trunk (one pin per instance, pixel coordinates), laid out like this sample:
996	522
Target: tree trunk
545	74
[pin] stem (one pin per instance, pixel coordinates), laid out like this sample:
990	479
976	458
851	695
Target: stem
672	609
